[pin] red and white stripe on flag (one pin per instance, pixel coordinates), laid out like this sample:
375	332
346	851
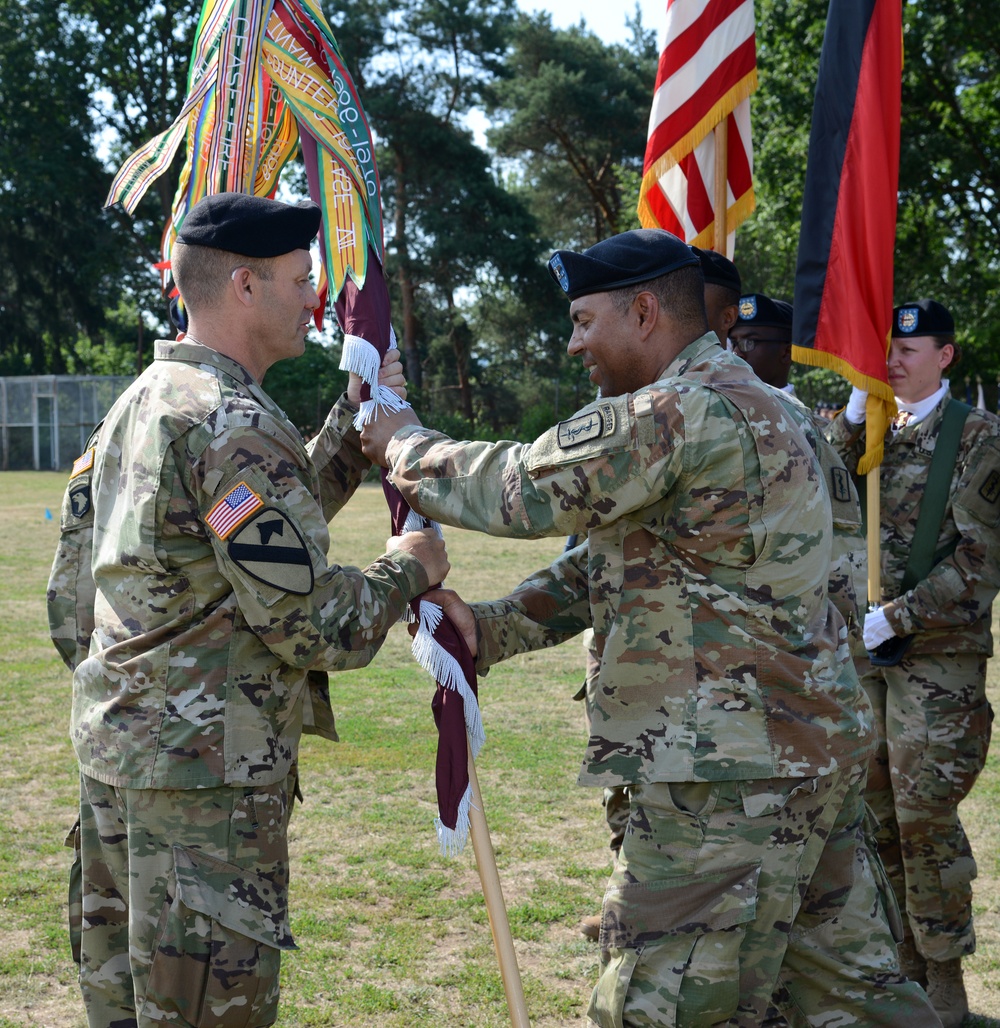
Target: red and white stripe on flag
707	71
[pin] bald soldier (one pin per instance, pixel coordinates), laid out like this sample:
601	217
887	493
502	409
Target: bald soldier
215	611
726	700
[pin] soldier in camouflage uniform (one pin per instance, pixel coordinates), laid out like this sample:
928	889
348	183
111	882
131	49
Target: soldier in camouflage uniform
933	716
722	296
762	336
726	701
215	612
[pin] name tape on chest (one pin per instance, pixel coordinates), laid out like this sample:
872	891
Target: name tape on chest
269	548
595	424
233	509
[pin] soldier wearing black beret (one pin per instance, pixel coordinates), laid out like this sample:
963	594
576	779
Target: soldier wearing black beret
217	617
722	291
762	336
930	636
723	703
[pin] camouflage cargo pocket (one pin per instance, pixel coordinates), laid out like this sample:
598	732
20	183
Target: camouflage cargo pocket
671	948
218	949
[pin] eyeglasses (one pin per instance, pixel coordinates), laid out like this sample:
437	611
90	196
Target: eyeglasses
747	345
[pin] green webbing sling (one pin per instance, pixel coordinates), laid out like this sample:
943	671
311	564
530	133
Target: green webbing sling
937	492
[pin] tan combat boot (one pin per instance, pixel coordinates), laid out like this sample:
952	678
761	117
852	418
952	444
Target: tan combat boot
911	963
946	991
590	926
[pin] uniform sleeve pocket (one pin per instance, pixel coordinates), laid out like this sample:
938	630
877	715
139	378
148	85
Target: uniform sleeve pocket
218	951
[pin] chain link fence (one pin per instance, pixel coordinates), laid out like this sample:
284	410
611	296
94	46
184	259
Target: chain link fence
45	419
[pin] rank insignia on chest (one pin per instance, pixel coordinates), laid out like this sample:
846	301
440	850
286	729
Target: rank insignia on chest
583	428
269	548
990	489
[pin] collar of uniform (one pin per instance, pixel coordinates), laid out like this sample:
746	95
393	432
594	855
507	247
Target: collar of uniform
694	353
190	351
923	407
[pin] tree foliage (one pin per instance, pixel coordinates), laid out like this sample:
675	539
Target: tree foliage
471	212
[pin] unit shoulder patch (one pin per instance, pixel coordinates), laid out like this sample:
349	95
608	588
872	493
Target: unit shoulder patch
595	424
79	499
840	484
269	548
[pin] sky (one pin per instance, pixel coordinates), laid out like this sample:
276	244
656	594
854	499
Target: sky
605	18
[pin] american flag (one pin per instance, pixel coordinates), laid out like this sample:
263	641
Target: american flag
83	463
707	71
234	508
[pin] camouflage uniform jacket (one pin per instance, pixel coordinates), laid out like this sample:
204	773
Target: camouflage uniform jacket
950	609
214	596
704	572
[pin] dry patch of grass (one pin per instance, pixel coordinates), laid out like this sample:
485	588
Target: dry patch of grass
391	933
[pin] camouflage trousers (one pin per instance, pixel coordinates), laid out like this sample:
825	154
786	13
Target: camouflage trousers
183	904
934	730
750	904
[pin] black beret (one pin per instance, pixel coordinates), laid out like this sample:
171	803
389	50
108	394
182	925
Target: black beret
763	312
622	260
719	270
250	225
922	318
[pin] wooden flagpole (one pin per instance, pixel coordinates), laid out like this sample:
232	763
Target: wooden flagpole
503	941
720	204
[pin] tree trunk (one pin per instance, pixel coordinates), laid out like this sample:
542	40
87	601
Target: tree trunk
407	291
459	333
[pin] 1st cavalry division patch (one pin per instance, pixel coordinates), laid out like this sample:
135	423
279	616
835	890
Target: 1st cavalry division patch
269	548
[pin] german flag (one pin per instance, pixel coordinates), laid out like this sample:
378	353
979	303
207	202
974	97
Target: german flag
844	273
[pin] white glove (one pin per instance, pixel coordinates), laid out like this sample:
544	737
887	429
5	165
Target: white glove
855	409
877	629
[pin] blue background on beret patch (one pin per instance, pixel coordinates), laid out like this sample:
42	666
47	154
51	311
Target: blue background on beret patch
748	308
908	319
558	270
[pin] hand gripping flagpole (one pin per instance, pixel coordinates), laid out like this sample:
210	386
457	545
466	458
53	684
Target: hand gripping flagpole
437	646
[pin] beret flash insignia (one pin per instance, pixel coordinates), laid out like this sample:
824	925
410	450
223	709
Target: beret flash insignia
748	307
907	319
559	270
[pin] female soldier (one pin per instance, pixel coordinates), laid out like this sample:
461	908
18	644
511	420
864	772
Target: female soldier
929	641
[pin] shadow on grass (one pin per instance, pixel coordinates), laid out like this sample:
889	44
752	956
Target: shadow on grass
979	1021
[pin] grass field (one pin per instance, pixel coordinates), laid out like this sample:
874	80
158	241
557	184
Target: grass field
390	932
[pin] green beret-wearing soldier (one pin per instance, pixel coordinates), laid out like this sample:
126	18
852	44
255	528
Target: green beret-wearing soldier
930	639
726	700
215	606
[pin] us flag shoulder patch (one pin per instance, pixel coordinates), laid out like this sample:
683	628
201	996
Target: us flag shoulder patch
83	463
233	509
